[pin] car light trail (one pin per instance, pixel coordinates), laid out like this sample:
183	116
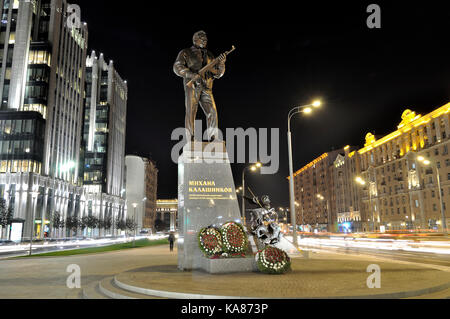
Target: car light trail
437	247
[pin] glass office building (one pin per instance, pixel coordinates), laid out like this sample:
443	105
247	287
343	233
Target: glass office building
42	71
105	110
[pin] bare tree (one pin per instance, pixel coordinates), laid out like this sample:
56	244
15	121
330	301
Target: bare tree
57	222
72	224
6	216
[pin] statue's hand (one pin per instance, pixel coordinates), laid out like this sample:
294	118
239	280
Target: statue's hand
191	76
222	58
197	79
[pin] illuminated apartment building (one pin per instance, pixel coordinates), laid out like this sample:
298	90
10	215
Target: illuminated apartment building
385	185
314	193
346	192
104	139
403	191
42	84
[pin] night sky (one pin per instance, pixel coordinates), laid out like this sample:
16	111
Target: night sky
287	55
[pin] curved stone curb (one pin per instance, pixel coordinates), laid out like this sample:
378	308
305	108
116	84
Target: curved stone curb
181	295
173	295
96	294
84	294
111	294
401	294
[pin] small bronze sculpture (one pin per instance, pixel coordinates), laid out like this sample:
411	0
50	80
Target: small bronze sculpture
263	222
198	68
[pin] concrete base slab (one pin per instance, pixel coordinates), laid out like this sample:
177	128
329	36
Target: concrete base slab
288	247
226	265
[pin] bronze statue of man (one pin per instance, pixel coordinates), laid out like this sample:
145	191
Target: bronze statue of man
187	65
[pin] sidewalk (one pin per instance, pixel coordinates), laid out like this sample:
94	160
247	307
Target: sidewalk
322	275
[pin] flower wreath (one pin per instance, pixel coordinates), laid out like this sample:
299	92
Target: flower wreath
272	260
210	241
235	241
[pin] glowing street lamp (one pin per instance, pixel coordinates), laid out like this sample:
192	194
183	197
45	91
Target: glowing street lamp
307	109
362	182
427	162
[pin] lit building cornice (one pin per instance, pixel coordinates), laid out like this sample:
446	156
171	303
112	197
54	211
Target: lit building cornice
320	158
409	120
166	201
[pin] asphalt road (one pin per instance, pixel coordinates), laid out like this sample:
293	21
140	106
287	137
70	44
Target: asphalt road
23	250
418	257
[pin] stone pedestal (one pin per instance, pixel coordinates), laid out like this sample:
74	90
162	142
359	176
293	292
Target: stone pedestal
228	265
206	196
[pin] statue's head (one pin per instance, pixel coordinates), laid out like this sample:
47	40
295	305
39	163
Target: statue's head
200	39
265	200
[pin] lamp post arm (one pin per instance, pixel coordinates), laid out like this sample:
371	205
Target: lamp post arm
296	110
292	112
291	191
243	196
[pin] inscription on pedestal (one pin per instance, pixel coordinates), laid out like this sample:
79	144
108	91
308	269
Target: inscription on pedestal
206	196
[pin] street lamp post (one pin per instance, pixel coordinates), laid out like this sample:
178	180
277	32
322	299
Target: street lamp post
298	205
296	110
328	217
441	203
371	208
33	208
253	168
134	223
360	181
322	198
303	219
284	212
